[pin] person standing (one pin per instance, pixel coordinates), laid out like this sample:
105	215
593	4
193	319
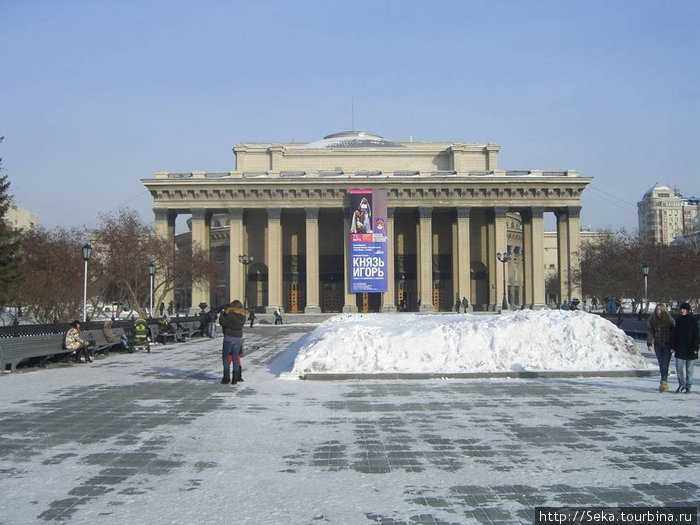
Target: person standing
465	304
659	328
278	315
232	321
251	318
684	343
211	323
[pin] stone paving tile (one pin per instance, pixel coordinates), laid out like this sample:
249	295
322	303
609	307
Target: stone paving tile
495	432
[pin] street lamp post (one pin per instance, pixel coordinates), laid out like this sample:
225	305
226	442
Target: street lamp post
645	271
245	260
87	251
504	258
151	273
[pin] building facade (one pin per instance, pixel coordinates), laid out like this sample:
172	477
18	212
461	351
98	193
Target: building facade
664	214
450	212
21	218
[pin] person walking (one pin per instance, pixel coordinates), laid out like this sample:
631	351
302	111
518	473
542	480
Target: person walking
659	328
232	321
465	304
684	343
251	317
278	315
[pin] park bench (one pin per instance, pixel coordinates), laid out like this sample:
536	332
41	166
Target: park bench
14	350
100	343
191	329
160	337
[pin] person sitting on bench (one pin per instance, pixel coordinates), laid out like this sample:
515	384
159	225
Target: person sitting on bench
78	345
112	337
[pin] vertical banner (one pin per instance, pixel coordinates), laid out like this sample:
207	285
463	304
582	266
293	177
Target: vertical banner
368	268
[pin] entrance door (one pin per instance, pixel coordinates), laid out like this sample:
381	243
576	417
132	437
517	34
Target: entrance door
364	308
295	297
401	296
439	296
332	300
480	286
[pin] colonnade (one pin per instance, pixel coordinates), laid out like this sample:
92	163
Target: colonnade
473	241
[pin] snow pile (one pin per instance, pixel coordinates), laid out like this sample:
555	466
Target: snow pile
515	342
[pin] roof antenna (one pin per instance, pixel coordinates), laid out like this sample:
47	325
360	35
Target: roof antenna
352	107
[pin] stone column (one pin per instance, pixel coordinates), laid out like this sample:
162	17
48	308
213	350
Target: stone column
200	239
501	246
237	271
426	259
563	255
491	260
165	229
389	297
573	226
274	259
528	268
463	270
533	242
350	305
312	278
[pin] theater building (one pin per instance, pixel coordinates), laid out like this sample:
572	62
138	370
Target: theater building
450	212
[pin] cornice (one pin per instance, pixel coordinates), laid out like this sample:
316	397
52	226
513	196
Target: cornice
263	193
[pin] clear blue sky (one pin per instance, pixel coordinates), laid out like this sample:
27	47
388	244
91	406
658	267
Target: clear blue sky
96	95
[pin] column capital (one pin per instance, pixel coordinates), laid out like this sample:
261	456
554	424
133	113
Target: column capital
198	214
463	212
235	213
574	212
311	214
425	212
274	214
499	212
161	214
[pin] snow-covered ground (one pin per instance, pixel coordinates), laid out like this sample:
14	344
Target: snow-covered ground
154	438
548	340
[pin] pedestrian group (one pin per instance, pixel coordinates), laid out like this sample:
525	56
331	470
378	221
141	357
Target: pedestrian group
668	336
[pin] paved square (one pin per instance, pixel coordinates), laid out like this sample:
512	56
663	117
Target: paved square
154	438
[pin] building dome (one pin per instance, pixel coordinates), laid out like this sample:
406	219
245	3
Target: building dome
353	139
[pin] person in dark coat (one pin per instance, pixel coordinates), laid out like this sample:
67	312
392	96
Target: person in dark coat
684	343
659	328
465	304
232	321
251	318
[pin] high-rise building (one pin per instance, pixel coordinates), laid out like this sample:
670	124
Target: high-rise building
664	214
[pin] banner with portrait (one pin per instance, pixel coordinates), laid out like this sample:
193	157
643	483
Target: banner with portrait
368	238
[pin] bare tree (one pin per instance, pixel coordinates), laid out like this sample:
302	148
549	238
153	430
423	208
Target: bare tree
52	274
124	246
613	268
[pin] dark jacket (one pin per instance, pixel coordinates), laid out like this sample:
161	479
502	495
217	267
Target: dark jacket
232	321
685	338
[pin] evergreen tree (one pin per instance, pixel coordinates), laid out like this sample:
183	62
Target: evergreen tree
10	264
